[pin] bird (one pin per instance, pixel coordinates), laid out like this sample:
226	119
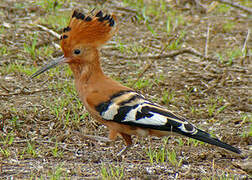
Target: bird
124	111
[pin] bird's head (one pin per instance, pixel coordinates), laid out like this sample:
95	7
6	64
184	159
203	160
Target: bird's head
81	38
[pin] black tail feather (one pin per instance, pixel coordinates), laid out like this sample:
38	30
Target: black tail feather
205	137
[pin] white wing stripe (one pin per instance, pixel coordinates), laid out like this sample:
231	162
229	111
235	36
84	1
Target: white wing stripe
110	113
156	119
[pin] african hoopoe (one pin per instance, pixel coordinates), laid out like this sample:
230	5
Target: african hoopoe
121	109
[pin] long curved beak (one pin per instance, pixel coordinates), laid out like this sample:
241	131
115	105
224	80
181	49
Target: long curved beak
50	65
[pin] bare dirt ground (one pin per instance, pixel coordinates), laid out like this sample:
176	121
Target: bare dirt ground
193	58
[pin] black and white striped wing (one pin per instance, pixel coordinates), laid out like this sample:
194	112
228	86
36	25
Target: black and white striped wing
129	107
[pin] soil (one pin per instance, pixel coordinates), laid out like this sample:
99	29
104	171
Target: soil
46	133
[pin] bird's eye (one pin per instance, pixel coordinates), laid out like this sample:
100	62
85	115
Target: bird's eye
77	51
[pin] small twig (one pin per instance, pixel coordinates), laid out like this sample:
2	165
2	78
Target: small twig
49	30
213	167
4	88
246	40
146	68
141	74
212	6
170	55
126	9
187	172
56	45
24	92
236	5
96	138
200	6
118	6
207	40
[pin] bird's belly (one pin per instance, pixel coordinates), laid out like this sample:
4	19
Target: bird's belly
158	133
142	132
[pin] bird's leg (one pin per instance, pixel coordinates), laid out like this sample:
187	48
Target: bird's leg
128	141
113	134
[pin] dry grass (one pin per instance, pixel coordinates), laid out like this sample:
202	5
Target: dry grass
41	119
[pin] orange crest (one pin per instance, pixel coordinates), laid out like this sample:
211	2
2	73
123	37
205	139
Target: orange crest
93	30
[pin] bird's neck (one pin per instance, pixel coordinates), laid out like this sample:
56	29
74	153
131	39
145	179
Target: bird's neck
92	85
89	71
